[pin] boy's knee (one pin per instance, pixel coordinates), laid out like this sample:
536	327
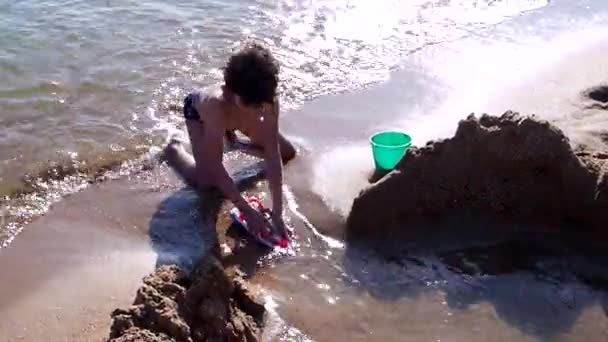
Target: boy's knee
171	150
288	152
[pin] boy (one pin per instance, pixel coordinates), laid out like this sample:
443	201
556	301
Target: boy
246	102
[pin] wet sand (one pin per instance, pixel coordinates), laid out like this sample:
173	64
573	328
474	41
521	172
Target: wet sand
72	267
69	269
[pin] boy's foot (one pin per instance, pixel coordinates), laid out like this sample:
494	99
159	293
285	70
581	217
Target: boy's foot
175	142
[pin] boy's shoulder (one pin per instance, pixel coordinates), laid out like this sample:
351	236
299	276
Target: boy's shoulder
207	94
208	98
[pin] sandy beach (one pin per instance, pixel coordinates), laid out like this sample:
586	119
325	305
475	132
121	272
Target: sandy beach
110	94
72	267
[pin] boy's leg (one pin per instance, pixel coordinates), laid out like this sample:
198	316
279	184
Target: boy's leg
181	161
288	151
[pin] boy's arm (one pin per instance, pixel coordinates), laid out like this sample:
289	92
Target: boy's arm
274	164
212	148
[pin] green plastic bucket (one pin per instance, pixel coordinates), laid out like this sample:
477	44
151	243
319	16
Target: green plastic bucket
388	147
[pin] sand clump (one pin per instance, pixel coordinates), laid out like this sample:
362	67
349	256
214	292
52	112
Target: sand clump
209	304
211	301
596	98
599	94
509	167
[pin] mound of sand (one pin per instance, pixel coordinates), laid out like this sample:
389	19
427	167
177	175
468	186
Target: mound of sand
599	93
207	305
596	97
509	167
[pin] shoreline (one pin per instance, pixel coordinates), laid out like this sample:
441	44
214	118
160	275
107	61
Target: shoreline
65	262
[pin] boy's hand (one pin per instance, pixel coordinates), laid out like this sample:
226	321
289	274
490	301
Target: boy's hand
255	221
279	225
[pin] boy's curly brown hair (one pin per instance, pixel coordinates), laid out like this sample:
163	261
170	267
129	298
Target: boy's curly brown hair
253	74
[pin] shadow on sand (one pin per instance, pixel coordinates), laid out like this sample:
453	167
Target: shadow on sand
534	286
186	225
